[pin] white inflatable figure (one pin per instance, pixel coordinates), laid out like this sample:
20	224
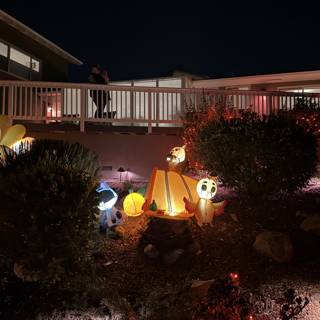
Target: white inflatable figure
109	215
205	209
177	159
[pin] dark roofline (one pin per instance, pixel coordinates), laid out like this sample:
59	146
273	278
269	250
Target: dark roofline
38	37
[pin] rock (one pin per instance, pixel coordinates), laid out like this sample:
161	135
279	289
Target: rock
311	224
194	249
179	227
234	217
275	245
21	273
151	251
167	235
173	256
199	289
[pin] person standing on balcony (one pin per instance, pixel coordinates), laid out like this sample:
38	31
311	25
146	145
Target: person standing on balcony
98	96
105	76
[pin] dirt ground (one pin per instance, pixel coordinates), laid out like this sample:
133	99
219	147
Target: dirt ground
140	288
152	288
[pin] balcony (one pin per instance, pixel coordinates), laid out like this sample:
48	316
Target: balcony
129	108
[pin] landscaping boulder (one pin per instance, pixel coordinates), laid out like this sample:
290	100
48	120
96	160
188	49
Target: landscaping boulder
23	274
151	251
199	289
275	245
311	224
173	256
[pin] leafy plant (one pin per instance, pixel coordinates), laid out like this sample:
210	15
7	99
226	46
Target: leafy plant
257	156
291	305
48	212
225	301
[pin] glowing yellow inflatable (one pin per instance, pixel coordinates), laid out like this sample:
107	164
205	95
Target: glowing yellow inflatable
132	204
12	137
165	193
205	209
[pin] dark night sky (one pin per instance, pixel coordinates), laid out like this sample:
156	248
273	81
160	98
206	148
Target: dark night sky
137	39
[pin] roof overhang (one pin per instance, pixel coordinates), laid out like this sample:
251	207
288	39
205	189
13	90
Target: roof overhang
19	26
258	79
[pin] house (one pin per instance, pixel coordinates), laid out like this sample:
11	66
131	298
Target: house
303	81
143	119
26	55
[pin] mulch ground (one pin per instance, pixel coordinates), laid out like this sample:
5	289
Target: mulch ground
150	289
226	247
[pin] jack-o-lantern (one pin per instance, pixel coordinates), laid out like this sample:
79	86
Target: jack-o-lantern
132	204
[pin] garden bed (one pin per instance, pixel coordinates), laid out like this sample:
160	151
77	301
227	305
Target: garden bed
142	288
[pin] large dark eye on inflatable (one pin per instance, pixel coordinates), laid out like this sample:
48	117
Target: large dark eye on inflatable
213	189
203	187
119	215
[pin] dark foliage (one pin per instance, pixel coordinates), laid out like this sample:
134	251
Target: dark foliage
291	305
48	211
225	301
269	156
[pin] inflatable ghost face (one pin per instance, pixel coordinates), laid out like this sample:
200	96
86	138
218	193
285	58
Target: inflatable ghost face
206	188
205	209
109	215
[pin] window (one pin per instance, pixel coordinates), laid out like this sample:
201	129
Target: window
18	62
19	57
3	50
35	65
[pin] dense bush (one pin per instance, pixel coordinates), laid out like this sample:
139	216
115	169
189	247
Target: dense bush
48	210
257	156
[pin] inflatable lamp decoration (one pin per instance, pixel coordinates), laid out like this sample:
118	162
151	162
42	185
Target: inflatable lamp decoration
109	215
132	204
205	209
165	195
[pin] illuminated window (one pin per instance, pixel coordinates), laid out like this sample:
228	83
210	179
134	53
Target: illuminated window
19	57
3	50
35	65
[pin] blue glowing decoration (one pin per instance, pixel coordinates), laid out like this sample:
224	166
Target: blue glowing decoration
109	215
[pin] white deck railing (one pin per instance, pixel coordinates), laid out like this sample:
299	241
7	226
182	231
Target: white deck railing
46	102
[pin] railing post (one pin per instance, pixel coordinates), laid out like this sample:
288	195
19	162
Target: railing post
156	107
149	113
270	106
132	103
83	104
10	103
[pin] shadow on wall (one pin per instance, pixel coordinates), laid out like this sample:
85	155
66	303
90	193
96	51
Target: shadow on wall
138	153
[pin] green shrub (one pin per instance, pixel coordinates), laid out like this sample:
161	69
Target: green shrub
48	210
269	156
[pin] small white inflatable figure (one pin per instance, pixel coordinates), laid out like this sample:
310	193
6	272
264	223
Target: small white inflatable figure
204	210
177	159
109	215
